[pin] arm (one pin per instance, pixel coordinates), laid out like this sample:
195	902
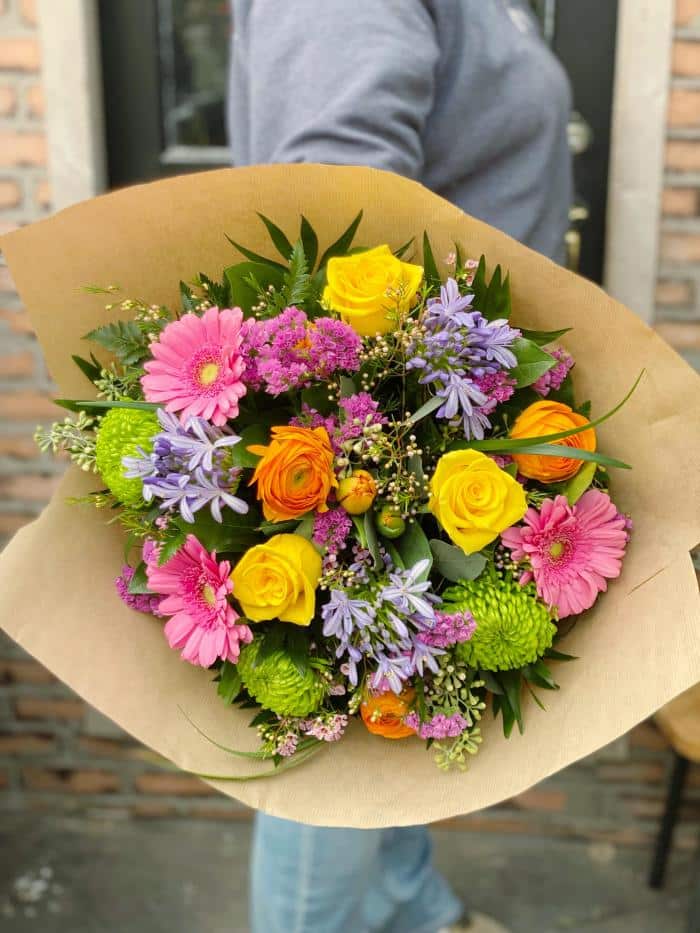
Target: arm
339	81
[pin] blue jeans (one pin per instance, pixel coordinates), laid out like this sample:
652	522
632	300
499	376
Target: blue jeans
307	879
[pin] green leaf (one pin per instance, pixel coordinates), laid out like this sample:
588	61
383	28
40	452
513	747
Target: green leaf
511	681
402	250
347	386
305	528
578	484
539	674
138	585
413	546
297	281
426	409
255	257
234	535
310	242
297	646
171	545
271	641
532	362
239	453
573	453
230	683
218	293
552	655
544	337
277	528
370	534
188	299
240	278
453	564
343	243
432	276
88	403
491	682
88	369
278	237
122	338
492	298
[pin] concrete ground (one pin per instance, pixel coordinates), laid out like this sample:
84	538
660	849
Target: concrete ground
62	875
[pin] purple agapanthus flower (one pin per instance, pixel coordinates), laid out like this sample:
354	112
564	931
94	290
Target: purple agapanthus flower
187	468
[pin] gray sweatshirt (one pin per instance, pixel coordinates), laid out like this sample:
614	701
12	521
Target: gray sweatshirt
461	95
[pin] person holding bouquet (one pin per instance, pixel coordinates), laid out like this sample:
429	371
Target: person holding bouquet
465	97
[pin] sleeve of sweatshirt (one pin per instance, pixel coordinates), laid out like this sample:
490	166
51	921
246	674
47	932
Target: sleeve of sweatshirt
339	81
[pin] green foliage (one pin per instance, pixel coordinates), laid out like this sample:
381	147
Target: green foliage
343	243
239	455
138	585
248	281
414	546
543	337
453	564
91	368
278	237
492	298
432	276
230	683
124	339
309	241
532	362
234	535
170	544
298	286
578	484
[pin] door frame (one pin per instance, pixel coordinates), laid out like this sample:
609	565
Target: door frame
76	133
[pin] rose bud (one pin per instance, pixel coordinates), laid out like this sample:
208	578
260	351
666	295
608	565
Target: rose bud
389	522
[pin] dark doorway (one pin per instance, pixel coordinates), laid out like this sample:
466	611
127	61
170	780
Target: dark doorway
164	66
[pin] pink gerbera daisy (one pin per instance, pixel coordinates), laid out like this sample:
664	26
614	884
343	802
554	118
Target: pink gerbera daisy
197	366
203	623
572	550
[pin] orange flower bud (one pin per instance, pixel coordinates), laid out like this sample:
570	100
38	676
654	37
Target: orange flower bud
357	492
384	714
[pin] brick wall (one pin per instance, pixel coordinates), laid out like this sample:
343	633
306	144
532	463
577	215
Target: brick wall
678	288
58	754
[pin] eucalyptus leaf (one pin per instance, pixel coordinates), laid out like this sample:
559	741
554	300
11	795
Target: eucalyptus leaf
453	564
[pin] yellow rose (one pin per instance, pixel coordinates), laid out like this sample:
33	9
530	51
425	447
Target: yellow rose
369	290
473	499
278	580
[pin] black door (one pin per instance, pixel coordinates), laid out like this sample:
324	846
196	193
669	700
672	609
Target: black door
165	61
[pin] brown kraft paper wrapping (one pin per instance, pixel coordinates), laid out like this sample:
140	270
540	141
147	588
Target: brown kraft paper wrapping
637	649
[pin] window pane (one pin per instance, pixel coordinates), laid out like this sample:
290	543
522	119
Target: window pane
194	46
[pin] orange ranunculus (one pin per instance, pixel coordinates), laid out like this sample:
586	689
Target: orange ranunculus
295	473
547	417
384	714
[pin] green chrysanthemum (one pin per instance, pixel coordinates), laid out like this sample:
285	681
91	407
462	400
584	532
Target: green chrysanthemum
275	683
121	432
513	627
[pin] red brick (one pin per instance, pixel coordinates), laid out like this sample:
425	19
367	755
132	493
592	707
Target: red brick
17	365
687	11
17	321
92	781
18	149
28	12
110	748
552	801
8	100
20	744
28	488
680	202
35	101
49	708
10	193
686	58
20	53
238	814
4	781
180	785
27	406
683	155
672	292
680	247
684	107
647	736
20	671
18	447
153	811
682	336
42	193
634	772
10	523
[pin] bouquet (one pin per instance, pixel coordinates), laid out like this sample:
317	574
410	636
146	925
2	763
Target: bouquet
413	494
351	489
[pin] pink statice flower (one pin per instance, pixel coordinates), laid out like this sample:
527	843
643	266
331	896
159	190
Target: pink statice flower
310	418
325	728
141	602
438	727
570	551
331	529
197	366
359	412
196	587
553	378
450	628
290	352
